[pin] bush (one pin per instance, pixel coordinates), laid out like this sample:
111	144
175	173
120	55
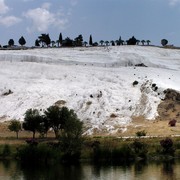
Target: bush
41	153
135	83
164	42
139	148
123	153
167	146
15	126
141	133
6	151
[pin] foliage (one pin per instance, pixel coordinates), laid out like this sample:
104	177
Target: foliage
22	41
6	150
11	42
41	153
79	40
68	42
37	43
90	40
45	39
15	126
56	117
85	43
172	123
71	137
135	83
32	121
141	133
61	120
164	42
101	42
148	42
102	152
143	41
107	43
139	148
123	153
60	38
167	146
132	41
45	125
95	44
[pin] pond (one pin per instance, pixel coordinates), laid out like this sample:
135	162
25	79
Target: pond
11	170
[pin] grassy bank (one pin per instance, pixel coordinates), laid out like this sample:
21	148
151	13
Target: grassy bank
94	149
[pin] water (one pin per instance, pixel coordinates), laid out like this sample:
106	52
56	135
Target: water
10	170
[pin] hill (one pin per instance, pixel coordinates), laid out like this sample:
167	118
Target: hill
108	87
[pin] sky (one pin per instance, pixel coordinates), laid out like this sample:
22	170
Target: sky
103	19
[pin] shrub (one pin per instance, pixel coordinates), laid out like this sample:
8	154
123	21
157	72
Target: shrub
41	153
164	42
135	83
6	150
172	123
32	121
167	146
89	103
123	153
139	148
113	115
15	126
141	133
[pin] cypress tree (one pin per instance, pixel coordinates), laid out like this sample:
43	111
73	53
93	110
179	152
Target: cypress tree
60	38
90	40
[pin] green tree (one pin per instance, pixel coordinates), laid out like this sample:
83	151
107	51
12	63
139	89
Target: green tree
71	138
45	39
148	42
68	42
22	41
11	42
53	43
60	38
56	117
45	125
107	43
141	133
32	121
112	43
117	42
85	43
164	42
79	40
37	43
143	41
15	126
120	41
101	42
90	40
138	41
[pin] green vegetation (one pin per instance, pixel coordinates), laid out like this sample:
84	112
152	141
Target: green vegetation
15	126
68	132
69	149
22	41
141	133
32	121
70	146
164	42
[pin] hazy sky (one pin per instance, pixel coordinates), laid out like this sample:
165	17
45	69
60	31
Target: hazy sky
104	19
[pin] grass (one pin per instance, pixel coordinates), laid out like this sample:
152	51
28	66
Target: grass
98	147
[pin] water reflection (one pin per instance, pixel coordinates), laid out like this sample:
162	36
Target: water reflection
10	170
168	170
